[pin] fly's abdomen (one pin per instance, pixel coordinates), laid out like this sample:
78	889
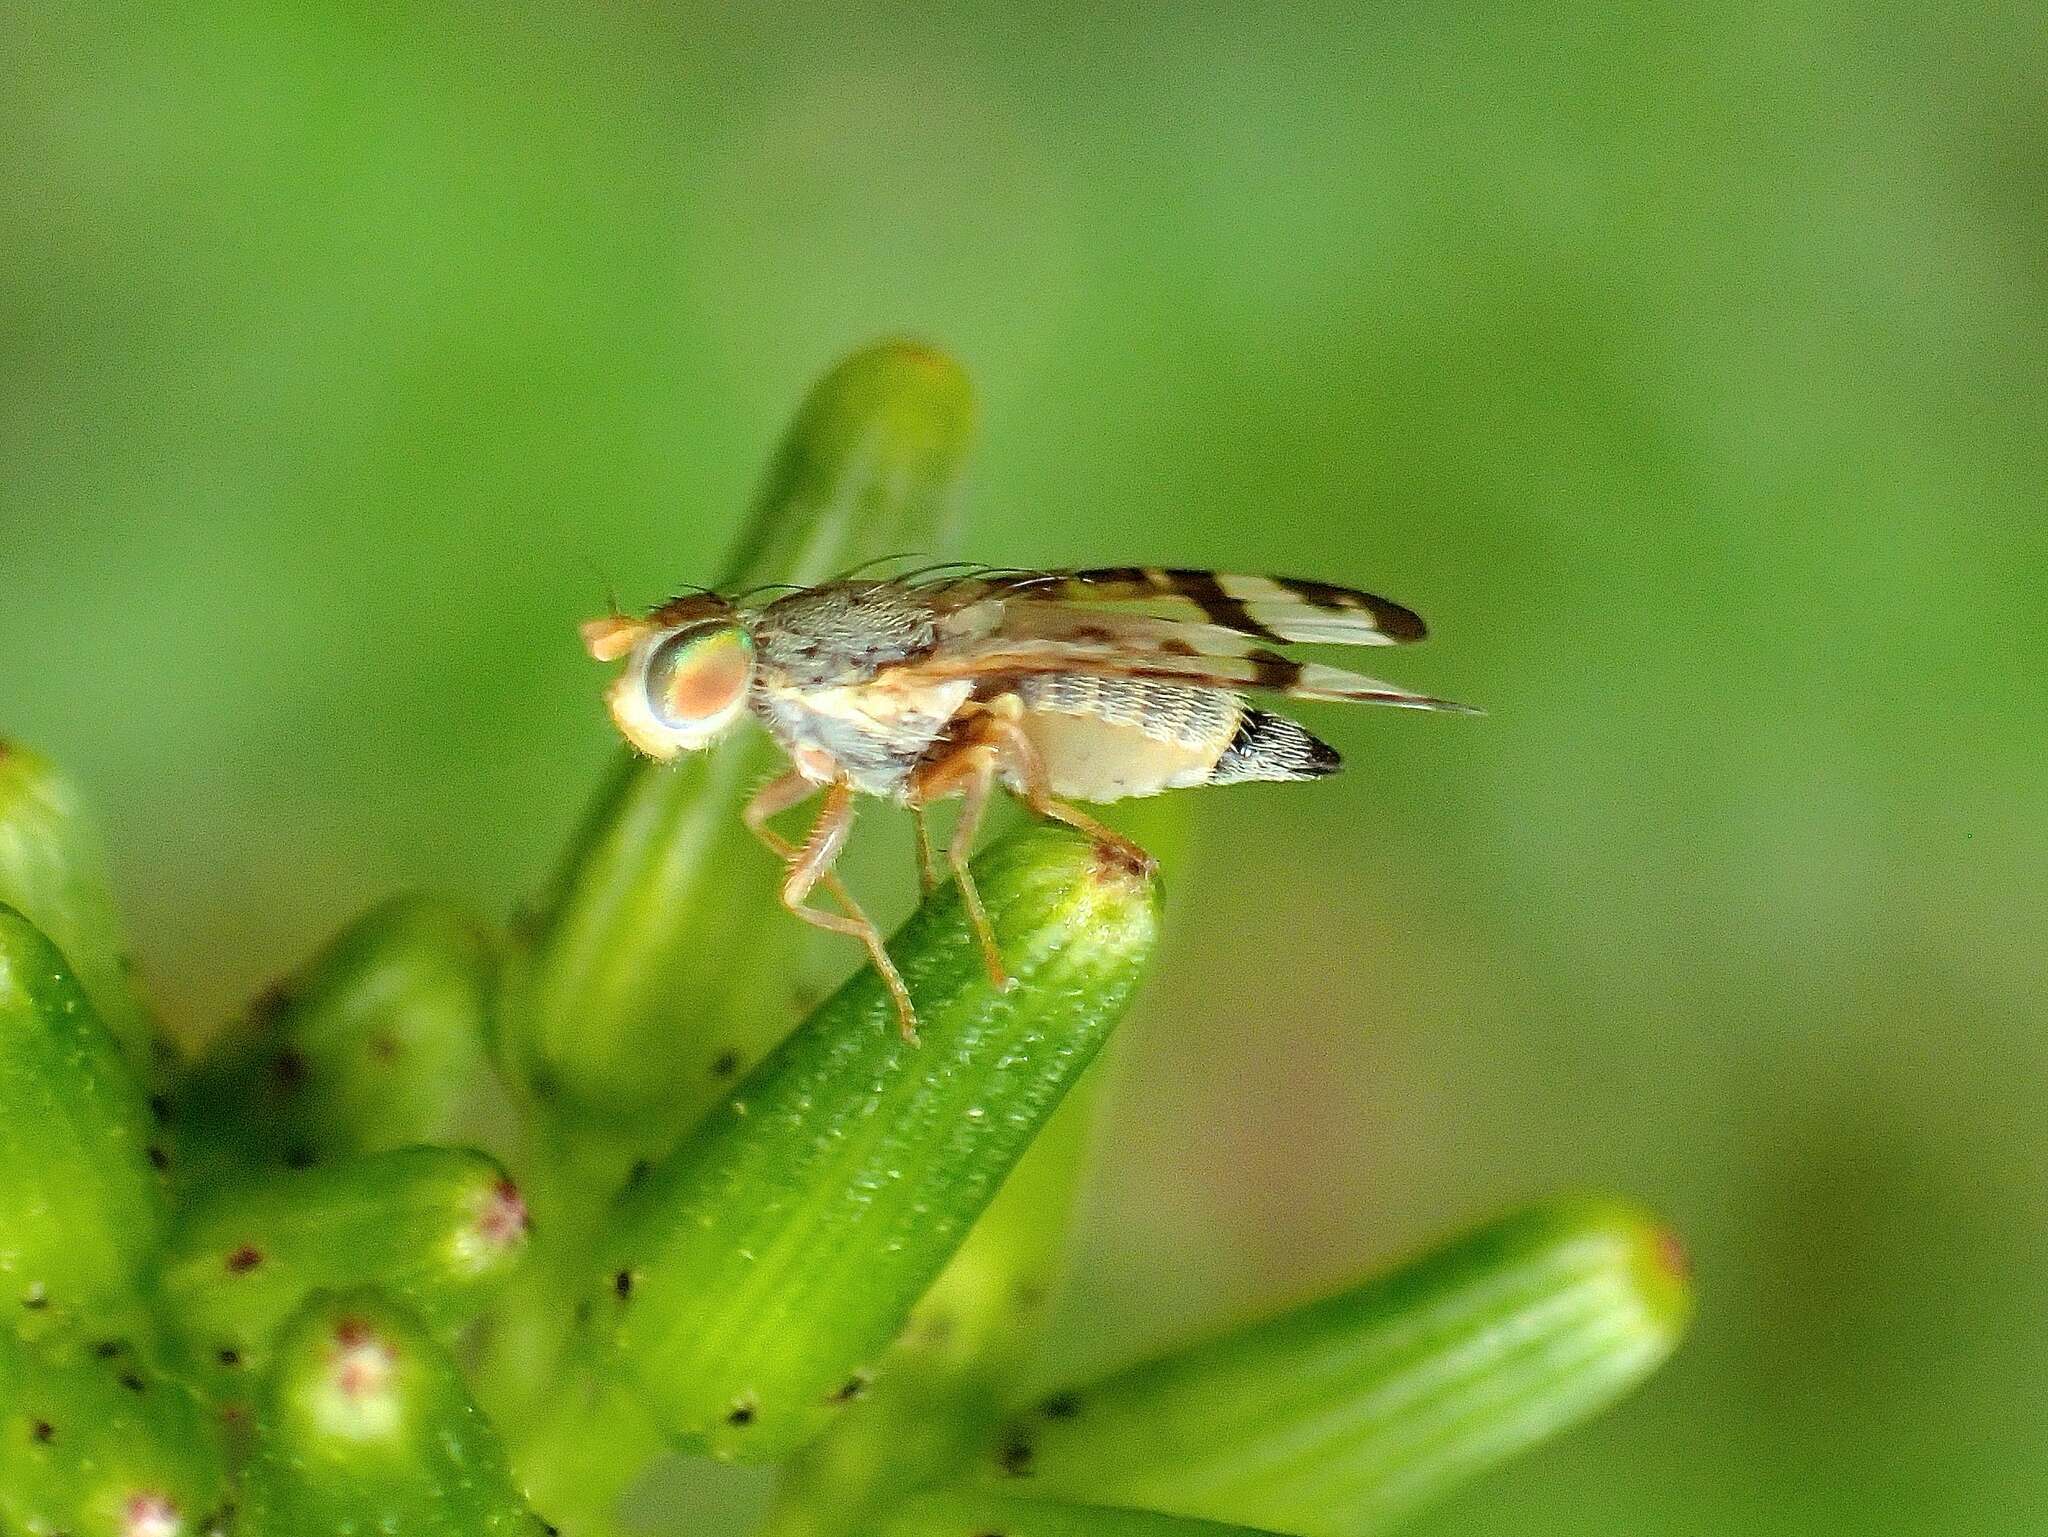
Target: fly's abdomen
1269	746
1105	739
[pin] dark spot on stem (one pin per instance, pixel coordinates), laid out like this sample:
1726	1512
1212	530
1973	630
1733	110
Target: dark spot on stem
131	1382
159	1160
244	1259
289	1069
583	1310
622	1284
851	1388
1015	1457
43	1431
1016	1454
640	1170
1061	1406
106	1350
725	1064
229	1356
384	1048
160	1107
300	1157
741	1414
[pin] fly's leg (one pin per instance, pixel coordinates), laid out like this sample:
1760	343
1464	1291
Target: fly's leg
927	866
971	771
973	802
1027	772
771	800
811	866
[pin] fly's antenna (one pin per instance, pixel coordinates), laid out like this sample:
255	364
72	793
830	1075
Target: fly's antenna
611	591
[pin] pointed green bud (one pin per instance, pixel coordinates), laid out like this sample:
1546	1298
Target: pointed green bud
375	1043
81	1207
755	1277
940	1390
364	1426
866	470
1336	1418
439	1228
96	1441
54	872
983	1513
659	964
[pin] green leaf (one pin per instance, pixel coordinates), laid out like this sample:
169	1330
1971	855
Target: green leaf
365	1427
940	1390
659	964
439	1228
987	1513
80	1205
755	1276
375	1043
97	1441
53	871
1335	1418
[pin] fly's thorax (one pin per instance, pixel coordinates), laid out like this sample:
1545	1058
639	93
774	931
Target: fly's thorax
843	633
873	734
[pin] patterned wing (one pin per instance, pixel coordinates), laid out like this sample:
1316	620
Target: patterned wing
1095	624
1272	609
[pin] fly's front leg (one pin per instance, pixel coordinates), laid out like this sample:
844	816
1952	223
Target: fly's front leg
1026	770
812	865
776	797
771	800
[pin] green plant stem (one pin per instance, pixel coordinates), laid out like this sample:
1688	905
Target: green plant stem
940	1389
377	1042
365	1427
986	1513
1336	1418
53	871
753	1279
439	1227
81	1208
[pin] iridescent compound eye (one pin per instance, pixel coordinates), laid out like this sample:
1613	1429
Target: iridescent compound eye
697	678
682	687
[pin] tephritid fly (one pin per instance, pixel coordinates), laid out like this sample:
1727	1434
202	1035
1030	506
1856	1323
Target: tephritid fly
1094	685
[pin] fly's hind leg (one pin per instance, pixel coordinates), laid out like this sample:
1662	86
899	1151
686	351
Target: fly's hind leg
972	771
1026	770
811	866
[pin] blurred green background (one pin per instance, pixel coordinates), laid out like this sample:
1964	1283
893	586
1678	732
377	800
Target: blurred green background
1685	367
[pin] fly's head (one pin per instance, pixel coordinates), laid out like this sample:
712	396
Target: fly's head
689	665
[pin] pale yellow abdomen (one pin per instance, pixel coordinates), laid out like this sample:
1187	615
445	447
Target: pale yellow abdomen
1106	739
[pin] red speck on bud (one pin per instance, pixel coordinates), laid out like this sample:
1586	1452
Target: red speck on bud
364	1363
504	1220
150	1515
1672	1256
